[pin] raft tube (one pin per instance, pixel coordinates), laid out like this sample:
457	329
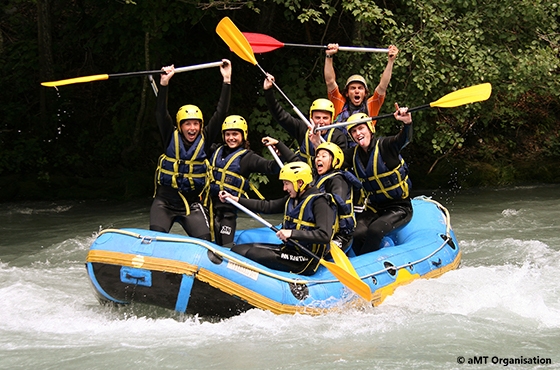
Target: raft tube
198	277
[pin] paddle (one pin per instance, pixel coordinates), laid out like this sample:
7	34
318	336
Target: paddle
457	98
340	258
241	47
263	44
275	156
346	278
128	74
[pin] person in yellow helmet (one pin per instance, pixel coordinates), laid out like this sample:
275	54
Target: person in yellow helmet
354	97
378	164
182	171
329	177
309	218
321	113
231	164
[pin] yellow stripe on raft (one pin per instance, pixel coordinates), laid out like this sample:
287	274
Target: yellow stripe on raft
253	298
227	286
139	261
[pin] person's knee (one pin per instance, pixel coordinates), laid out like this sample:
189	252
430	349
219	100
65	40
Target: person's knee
158	228
241	249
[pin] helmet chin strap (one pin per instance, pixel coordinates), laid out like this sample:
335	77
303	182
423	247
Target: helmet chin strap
299	189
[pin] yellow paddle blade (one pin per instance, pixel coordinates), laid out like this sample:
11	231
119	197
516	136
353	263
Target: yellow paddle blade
341	259
464	96
76	80
235	40
352	282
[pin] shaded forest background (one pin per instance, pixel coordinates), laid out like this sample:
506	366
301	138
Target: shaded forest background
100	139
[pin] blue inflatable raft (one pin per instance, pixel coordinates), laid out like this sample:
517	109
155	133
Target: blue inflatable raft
201	278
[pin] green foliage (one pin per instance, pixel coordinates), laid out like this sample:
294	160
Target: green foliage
444	45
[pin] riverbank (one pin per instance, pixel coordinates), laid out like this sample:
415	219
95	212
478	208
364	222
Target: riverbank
448	173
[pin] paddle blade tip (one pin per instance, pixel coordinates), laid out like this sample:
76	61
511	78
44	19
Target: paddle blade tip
233	37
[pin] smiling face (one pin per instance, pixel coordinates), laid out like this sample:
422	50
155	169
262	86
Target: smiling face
288	187
323	161
356	93
233	138
362	135
190	128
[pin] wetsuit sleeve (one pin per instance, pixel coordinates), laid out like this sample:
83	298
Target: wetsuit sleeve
254	163
337	185
265	206
294	126
391	146
324	219
213	127
340	139
348	158
163	118
286	153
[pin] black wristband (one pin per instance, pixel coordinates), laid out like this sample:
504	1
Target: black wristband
328	56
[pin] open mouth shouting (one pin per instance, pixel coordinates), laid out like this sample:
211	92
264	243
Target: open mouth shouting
323	161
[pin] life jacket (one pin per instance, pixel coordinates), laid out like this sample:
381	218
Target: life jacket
345	113
301	217
306	150
345	207
182	169
225	173
380	183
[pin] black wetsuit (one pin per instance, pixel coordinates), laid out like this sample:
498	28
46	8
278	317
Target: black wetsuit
296	127
168	206
287	257
371	225
338	185
225	214
332	185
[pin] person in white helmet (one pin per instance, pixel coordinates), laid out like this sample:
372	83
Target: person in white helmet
354	97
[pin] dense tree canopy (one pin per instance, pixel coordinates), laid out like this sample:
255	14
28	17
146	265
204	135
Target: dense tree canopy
107	128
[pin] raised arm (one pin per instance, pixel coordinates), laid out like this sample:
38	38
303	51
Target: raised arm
213	128
330	75
163	118
381	89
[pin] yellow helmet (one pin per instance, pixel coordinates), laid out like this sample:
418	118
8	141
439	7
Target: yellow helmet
336	152
295	171
359	116
355	78
235	122
324	105
189	111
